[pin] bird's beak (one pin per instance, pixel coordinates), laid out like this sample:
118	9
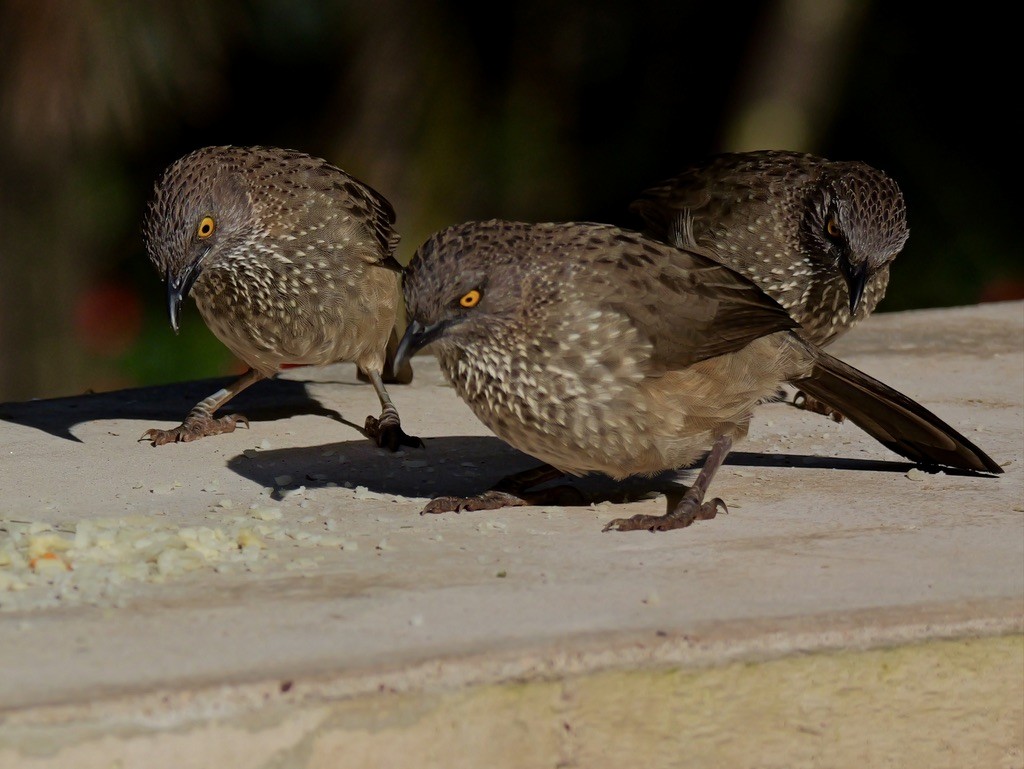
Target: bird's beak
174	297
856	278
416	337
178	287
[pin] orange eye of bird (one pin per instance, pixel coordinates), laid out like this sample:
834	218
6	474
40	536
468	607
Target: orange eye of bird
470	299
206	227
832	228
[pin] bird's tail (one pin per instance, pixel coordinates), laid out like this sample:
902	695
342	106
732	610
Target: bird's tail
889	416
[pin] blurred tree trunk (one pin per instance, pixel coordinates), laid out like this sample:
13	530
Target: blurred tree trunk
795	75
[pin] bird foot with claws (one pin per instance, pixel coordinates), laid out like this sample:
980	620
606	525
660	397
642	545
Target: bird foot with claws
688	511
804	401
495	498
388	434
195	427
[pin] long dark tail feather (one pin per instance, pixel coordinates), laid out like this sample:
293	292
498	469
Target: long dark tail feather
889	416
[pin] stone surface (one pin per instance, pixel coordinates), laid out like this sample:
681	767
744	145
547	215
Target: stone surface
275	590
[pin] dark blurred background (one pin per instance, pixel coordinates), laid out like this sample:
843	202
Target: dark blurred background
454	111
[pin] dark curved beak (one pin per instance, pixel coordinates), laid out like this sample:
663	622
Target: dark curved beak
416	337
856	278
178	288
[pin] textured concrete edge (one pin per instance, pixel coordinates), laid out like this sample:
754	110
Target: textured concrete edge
709	645
937	702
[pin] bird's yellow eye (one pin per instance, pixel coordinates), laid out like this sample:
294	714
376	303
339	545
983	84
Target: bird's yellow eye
832	228
206	227
470	299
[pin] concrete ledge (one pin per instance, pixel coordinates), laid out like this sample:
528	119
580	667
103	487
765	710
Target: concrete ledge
850	611
935	704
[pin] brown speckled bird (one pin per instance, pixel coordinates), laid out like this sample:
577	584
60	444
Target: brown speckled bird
596	349
816	235
290	261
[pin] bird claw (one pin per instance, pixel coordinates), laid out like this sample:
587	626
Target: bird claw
194	428
808	403
688	511
489	500
492	499
388	434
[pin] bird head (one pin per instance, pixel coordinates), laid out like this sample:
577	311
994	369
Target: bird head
200	212
461	285
855	222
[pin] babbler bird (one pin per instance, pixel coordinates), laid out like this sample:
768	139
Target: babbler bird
816	235
290	261
597	349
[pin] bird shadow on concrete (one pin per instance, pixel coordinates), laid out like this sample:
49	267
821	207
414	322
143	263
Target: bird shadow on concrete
467	465
265	401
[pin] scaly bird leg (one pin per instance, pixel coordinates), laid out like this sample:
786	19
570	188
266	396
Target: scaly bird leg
512	491
390	375
386	431
691	507
200	422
